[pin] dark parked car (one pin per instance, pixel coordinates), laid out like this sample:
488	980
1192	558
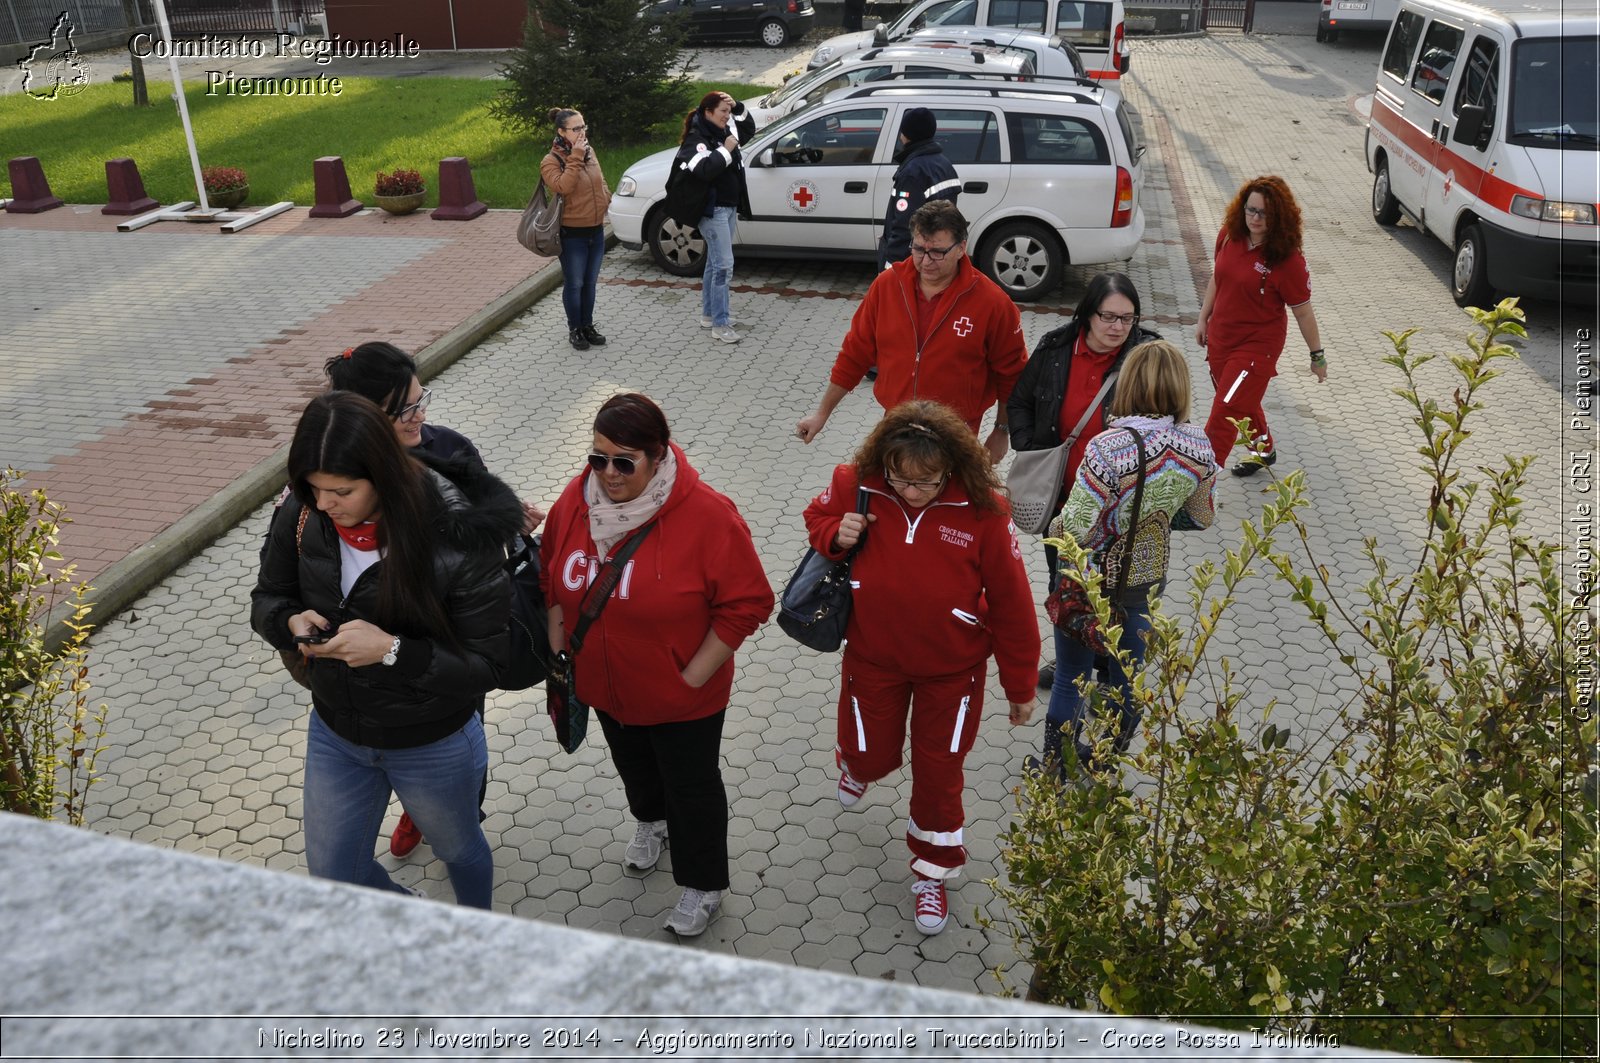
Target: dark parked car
772	22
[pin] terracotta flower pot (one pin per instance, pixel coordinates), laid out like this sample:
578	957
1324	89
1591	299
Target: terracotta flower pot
401	204
229	199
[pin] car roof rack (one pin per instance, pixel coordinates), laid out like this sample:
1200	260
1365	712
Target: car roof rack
979	83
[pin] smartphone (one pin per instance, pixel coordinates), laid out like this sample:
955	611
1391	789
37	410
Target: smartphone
315	637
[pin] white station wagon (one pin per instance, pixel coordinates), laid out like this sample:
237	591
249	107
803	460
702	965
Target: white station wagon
1050	175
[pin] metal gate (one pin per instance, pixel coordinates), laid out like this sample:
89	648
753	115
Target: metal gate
1228	15
192	18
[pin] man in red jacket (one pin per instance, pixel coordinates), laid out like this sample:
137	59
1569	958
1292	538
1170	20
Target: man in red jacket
936	329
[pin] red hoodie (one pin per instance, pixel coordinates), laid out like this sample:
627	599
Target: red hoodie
916	566
970	359
696	571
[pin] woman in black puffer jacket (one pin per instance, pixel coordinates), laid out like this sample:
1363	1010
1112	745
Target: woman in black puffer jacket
707	190
386	573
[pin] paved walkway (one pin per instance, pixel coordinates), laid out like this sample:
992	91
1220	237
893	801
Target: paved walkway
206	732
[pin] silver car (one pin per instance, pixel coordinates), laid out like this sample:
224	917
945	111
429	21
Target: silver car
1050	174
1051	56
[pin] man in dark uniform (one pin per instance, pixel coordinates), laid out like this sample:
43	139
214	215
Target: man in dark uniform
922	172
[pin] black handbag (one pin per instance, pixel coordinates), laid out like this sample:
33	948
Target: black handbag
530	627
569	715
815	609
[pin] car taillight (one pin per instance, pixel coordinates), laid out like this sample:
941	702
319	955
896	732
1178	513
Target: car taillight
794	7
1122	216
1117	58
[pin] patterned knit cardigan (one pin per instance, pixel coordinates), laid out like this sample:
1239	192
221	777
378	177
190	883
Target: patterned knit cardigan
1180	477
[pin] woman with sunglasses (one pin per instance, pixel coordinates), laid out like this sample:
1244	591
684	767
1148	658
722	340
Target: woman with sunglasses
1067	378
1258	271
387	376
385	571
939	588
657	663
571	170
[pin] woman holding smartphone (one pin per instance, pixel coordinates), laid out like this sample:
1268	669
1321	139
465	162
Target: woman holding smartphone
387	575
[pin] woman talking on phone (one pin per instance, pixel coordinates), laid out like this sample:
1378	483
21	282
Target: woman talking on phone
571	170
387	575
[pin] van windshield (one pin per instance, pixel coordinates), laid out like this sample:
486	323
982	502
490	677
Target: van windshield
947	13
1554	97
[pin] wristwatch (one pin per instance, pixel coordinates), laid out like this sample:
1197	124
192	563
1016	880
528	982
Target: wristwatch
394	652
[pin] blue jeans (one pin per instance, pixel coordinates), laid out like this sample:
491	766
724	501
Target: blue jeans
718	228
1073	661
347	790
581	254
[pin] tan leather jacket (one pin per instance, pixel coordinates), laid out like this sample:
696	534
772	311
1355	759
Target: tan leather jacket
581	184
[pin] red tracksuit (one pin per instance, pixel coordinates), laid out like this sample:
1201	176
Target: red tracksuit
937	591
1246	335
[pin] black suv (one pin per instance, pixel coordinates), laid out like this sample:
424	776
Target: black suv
772	22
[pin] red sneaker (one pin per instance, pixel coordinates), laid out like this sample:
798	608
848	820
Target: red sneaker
406	836
933	906
850	788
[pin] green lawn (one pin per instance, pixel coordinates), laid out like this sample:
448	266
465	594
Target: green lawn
374	124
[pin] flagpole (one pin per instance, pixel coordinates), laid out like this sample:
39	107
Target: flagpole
183	104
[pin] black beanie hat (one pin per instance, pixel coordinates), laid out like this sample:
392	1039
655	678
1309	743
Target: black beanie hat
919	124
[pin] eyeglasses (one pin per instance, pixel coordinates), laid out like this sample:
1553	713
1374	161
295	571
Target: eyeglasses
406	413
1255	212
1125	320
920	485
623	465
935	253
577	129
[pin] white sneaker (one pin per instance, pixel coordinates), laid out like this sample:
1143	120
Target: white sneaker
644	852
933	904
693	913
725	334
706	322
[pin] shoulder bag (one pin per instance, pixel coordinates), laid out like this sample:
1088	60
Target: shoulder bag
1034	482
686	196
571	716
299	664
530	628
1068	606
815	608
540	228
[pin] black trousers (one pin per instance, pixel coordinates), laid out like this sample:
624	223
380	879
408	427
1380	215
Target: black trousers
853	10
673	771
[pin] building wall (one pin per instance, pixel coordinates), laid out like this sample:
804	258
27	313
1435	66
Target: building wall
478	23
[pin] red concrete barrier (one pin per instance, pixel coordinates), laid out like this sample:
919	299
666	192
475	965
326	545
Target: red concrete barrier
30	192
333	189
458	198
125	189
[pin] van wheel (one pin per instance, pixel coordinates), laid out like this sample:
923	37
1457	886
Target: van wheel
774	34
679	250
1330	35
1322	32
1024	258
1469	280
1385	208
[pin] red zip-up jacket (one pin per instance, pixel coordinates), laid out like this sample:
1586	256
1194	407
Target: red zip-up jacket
697	571
969	360
917	567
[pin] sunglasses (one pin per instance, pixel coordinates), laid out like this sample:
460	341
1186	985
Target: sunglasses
623	465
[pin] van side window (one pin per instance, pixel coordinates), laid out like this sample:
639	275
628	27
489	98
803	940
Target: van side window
1085	23
1402	45
968	136
1052	138
1480	84
1437	61
1022	14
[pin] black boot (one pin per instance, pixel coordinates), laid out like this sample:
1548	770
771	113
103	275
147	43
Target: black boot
594	338
579	340
1049	760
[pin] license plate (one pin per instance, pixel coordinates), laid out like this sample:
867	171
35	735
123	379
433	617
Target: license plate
1352	5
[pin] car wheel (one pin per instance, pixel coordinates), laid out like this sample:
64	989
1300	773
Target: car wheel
774	34
1385	208
1024	258
1469	280
1322	32
679	250
1331	34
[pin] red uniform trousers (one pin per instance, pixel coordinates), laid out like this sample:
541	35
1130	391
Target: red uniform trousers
1245	400
944	710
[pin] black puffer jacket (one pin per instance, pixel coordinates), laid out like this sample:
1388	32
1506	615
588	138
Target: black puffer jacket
1034	409
705	172
434	686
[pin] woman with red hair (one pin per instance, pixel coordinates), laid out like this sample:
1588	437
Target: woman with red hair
1259	270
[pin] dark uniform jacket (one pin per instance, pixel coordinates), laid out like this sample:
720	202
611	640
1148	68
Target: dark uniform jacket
924	173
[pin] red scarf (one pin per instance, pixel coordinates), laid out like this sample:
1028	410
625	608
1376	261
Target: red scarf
363	536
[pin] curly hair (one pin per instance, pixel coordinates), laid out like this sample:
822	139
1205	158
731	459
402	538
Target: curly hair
1283	218
930	435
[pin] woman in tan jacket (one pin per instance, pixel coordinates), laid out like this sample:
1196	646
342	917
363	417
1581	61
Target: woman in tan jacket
572	171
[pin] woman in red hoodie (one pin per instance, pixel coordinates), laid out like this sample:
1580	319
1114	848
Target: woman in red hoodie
939	587
657	665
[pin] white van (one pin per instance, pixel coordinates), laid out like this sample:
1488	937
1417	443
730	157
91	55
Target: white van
1354	15
1485	131
1094	27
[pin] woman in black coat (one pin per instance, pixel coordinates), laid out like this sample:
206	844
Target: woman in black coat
706	190
386	574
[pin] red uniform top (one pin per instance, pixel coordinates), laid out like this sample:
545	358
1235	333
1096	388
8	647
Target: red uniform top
1083	384
916	566
1248	313
697	571
969	359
